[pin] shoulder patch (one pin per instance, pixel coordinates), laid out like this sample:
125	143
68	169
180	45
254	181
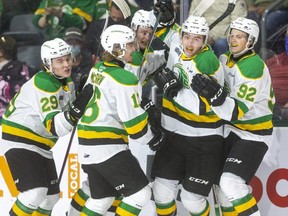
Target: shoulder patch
207	62
47	83
251	67
123	76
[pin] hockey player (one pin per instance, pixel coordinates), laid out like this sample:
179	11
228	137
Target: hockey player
43	110
191	156
112	115
247	107
142	24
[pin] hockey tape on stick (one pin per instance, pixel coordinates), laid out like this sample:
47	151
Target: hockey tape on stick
230	8
66	154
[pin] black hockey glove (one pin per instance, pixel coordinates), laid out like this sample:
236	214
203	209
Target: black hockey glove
167	82
158	141
158	44
209	88
166	8
82	82
78	106
154	114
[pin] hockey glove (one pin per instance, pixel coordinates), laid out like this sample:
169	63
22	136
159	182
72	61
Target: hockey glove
167	82
158	141
154	114
209	88
82	82
78	106
166	8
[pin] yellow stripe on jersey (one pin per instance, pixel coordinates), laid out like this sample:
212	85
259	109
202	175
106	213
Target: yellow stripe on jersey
26	134
93	134
138	127
189	116
255	127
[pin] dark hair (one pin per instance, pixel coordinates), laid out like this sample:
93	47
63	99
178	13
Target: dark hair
8	47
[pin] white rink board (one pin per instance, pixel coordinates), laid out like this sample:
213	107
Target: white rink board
270	186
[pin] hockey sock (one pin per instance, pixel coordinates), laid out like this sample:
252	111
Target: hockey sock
41	212
18	209
124	209
87	212
228	211
166	209
205	212
115	204
79	199
246	205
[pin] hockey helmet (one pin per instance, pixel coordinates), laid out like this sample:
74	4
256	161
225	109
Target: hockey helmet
143	18
196	25
248	26
116	36
53	49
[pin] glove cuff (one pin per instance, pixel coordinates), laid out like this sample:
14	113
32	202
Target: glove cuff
219	97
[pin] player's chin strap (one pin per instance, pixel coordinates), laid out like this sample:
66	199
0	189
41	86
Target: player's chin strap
51	72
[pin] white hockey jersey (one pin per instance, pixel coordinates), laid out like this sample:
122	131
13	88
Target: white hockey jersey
35	115
187	113
250	105
112	114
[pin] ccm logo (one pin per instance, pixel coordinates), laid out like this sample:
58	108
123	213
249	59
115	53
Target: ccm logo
233	160
199	181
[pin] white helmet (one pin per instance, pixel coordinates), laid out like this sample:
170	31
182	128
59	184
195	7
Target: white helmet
248	26
53	49
143	18
116	36
196	25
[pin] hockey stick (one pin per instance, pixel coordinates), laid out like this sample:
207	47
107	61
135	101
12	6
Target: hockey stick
66	154
150	42
216	205
230	8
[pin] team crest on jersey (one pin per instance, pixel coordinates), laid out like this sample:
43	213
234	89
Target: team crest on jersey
182	74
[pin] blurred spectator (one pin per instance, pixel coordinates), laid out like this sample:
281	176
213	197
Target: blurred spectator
119	13
13	73
217	38
81	59
103	5
16	7
274	21
1	13
278	67
56	18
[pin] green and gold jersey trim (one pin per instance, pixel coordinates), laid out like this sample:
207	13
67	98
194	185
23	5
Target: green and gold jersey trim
17	133
101	135
174	110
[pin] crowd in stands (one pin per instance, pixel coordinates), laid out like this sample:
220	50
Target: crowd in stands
89	18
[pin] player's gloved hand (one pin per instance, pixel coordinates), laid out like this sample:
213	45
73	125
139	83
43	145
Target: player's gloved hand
154	114
158	141
168	82
209	88
82	82
166	8
78	106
